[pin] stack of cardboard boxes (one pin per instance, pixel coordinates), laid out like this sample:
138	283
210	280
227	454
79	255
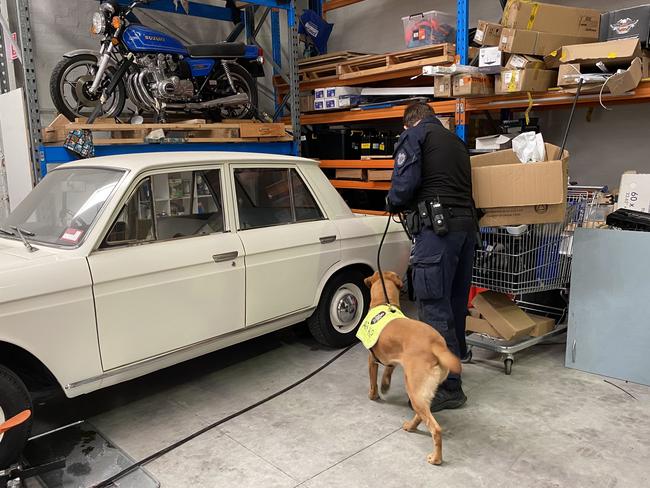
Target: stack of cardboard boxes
534	40
528	32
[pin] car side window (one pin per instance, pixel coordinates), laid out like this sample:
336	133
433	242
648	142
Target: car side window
134	224
188	203
273	196
304	202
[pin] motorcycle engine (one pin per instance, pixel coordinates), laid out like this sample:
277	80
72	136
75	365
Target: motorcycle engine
162	74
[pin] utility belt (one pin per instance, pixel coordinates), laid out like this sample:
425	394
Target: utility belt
442	219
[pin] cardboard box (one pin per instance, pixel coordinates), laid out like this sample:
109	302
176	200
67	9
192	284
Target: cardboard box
558	19
617	84
543	325
626	22
503	315
524	61
495	142
472	84
612	53
527	80
512	193
487	33
490	56
307	102
336	103
442	86
380	174
349	174
497	85
634	192
519	41
336	91
481	326
448	123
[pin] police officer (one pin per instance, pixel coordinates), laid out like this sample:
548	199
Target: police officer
432	183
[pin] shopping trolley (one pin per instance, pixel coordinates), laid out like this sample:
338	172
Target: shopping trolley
526	259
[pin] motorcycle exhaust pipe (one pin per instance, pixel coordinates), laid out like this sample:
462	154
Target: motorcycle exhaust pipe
239	99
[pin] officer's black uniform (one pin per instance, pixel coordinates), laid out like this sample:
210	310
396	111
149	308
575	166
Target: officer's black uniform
432	163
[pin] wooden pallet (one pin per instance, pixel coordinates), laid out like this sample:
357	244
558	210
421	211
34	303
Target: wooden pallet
330	58
105	132
396	61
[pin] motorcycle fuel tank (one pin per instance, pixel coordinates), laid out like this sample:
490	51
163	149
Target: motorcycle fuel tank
141	39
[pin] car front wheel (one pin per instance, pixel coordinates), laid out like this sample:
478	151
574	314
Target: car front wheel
342	307
14	398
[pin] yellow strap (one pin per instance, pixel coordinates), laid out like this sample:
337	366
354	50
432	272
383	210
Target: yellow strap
533	14
530	106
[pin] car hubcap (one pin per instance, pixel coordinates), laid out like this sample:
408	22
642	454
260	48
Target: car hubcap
2	419
346	308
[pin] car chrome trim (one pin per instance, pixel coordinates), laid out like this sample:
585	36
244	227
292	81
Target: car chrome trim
144	362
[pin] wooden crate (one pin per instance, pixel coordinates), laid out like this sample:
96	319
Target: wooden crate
396	61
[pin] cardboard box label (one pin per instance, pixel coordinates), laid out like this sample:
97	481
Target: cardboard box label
634	192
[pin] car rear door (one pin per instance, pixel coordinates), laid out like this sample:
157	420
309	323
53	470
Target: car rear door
169	273
289	242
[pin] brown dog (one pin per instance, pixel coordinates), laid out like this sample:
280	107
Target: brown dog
422	353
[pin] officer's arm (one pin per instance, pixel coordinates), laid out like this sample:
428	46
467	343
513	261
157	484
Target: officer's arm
407	173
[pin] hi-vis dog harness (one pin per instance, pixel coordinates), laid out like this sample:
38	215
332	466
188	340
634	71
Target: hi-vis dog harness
375	322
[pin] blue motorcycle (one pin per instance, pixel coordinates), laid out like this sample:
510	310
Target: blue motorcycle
155	72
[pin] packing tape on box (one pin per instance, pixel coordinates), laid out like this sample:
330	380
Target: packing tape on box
612	55
533	14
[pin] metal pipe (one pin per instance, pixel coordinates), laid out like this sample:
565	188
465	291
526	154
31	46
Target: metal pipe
568	125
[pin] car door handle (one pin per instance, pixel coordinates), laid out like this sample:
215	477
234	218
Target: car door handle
226	256
327	239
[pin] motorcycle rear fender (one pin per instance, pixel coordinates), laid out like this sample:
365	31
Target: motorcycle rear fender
77	52
253	67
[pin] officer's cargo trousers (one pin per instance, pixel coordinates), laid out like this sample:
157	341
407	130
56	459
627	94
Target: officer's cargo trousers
442	276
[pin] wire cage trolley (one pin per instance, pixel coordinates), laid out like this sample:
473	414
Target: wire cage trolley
527	259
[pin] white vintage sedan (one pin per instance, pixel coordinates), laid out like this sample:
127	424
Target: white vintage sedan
115	267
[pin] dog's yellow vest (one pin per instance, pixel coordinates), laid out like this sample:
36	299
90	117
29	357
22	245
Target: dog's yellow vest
374	323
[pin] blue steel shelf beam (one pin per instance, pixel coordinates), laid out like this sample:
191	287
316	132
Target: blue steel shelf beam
462	51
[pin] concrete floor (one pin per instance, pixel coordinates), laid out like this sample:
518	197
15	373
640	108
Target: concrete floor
544	426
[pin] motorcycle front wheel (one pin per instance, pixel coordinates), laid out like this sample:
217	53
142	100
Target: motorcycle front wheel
69	88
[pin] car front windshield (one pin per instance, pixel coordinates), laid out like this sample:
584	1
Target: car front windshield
62	208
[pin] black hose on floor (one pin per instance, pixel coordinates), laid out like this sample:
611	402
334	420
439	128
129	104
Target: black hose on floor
109	482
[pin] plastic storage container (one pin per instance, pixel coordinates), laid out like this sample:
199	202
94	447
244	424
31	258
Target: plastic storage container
432	27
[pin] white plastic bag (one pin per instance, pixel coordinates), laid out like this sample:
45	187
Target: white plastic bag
529	147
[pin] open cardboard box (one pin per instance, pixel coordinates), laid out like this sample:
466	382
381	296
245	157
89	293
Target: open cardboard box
513	193
617	84
612	53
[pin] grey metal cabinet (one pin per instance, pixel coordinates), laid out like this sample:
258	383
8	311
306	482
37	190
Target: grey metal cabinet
609	311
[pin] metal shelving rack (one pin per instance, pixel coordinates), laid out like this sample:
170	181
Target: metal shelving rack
44	155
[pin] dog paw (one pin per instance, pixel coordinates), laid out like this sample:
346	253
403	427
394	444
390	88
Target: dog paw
433	459
373	395
408	427
385	387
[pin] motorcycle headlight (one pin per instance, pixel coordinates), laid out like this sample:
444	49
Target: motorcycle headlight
99	23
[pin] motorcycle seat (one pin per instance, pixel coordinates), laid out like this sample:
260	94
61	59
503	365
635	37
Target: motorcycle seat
220	50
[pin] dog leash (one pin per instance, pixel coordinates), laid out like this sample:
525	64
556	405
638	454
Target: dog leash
110	481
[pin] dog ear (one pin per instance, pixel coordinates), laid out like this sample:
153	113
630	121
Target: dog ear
395	279
371	279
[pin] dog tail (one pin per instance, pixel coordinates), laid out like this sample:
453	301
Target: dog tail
446	358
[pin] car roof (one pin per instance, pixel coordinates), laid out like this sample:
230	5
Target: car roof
153	160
